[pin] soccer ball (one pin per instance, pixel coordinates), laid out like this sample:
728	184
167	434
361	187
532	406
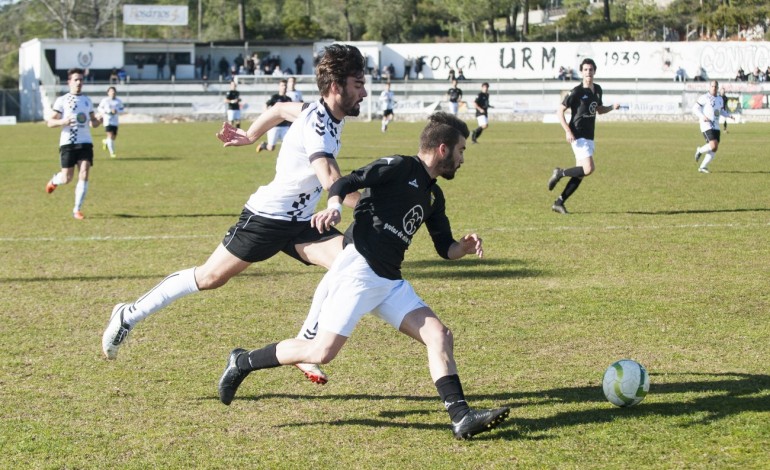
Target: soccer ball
626	383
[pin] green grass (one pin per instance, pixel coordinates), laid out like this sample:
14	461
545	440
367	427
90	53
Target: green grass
656	262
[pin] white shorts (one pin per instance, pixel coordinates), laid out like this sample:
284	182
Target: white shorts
355	290
275	134
482	120
583	148
233	114
453	107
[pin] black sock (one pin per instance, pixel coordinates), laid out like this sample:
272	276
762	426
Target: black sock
451	392
575	172
571	187
477	132
264	358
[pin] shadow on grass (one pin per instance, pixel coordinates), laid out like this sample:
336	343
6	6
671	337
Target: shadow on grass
717	396
468	268
156	277
161	216
695	211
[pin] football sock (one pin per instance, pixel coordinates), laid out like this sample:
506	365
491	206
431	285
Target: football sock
575	172
571	187
477	132
707	159
111	146
80	194
57	179
264	358
310	326
175	286
451	392
705	148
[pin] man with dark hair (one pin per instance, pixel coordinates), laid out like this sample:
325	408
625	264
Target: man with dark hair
400	194
74	112
481	103
584	102
276	218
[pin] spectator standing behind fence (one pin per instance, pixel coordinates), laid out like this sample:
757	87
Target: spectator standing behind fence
298	63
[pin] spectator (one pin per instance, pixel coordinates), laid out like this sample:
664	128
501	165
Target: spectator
418	65
460	74
298	63
451	75
741	76
160	75
114	76
224	66
681	75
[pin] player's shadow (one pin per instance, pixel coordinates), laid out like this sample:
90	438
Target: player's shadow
717	396
162	216
697	211
469	268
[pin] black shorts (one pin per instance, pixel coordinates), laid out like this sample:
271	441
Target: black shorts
712	134
113	129
71	154
255	238
388	112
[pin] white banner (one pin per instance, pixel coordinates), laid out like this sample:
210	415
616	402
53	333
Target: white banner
166	15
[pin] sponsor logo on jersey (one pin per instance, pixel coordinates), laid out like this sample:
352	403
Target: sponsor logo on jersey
414	183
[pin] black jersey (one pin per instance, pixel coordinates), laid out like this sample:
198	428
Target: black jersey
399	195
455	94
583	103
483	101
276	98
233	95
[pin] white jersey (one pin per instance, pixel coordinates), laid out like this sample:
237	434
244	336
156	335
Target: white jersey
295	95
710	107
80	107
295	191
109	109
386	100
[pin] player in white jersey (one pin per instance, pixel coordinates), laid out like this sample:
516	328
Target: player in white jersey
109	109
74	112
387	103
277	216
708	107
292	92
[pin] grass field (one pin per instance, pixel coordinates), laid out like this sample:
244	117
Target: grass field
656	262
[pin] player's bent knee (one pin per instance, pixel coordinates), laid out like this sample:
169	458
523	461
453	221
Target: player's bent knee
208	281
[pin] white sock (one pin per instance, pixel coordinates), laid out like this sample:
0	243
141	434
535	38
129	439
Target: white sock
111	146
705	149
80	194
175	286
310	327
57	179
707	159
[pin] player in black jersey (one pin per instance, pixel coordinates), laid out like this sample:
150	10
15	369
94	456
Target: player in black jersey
233	101
455	97
400	194
278	132
482	108
584	102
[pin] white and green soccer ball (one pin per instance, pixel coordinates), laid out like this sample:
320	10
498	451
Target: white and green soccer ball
626	383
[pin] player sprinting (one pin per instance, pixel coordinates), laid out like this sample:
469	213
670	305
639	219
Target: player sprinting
584	102
387	103
481	103
74	112
400	195
276	218
708	107
109	109
233	103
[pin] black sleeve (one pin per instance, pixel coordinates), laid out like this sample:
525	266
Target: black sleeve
438	225
378	172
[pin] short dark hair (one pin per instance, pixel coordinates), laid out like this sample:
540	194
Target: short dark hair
339	61
112	88
73	71
486	84
589	62
442	128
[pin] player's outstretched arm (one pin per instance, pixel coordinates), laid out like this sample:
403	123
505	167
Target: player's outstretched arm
233	137
467	245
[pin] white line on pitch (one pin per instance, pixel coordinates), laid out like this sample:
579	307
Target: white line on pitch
106	238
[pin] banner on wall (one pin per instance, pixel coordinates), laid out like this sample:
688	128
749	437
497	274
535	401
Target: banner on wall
163	15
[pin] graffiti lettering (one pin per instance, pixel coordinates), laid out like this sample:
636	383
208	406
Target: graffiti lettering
621	58
448	62
547	58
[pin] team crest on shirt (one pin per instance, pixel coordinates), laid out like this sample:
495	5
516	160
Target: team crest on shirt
413	219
